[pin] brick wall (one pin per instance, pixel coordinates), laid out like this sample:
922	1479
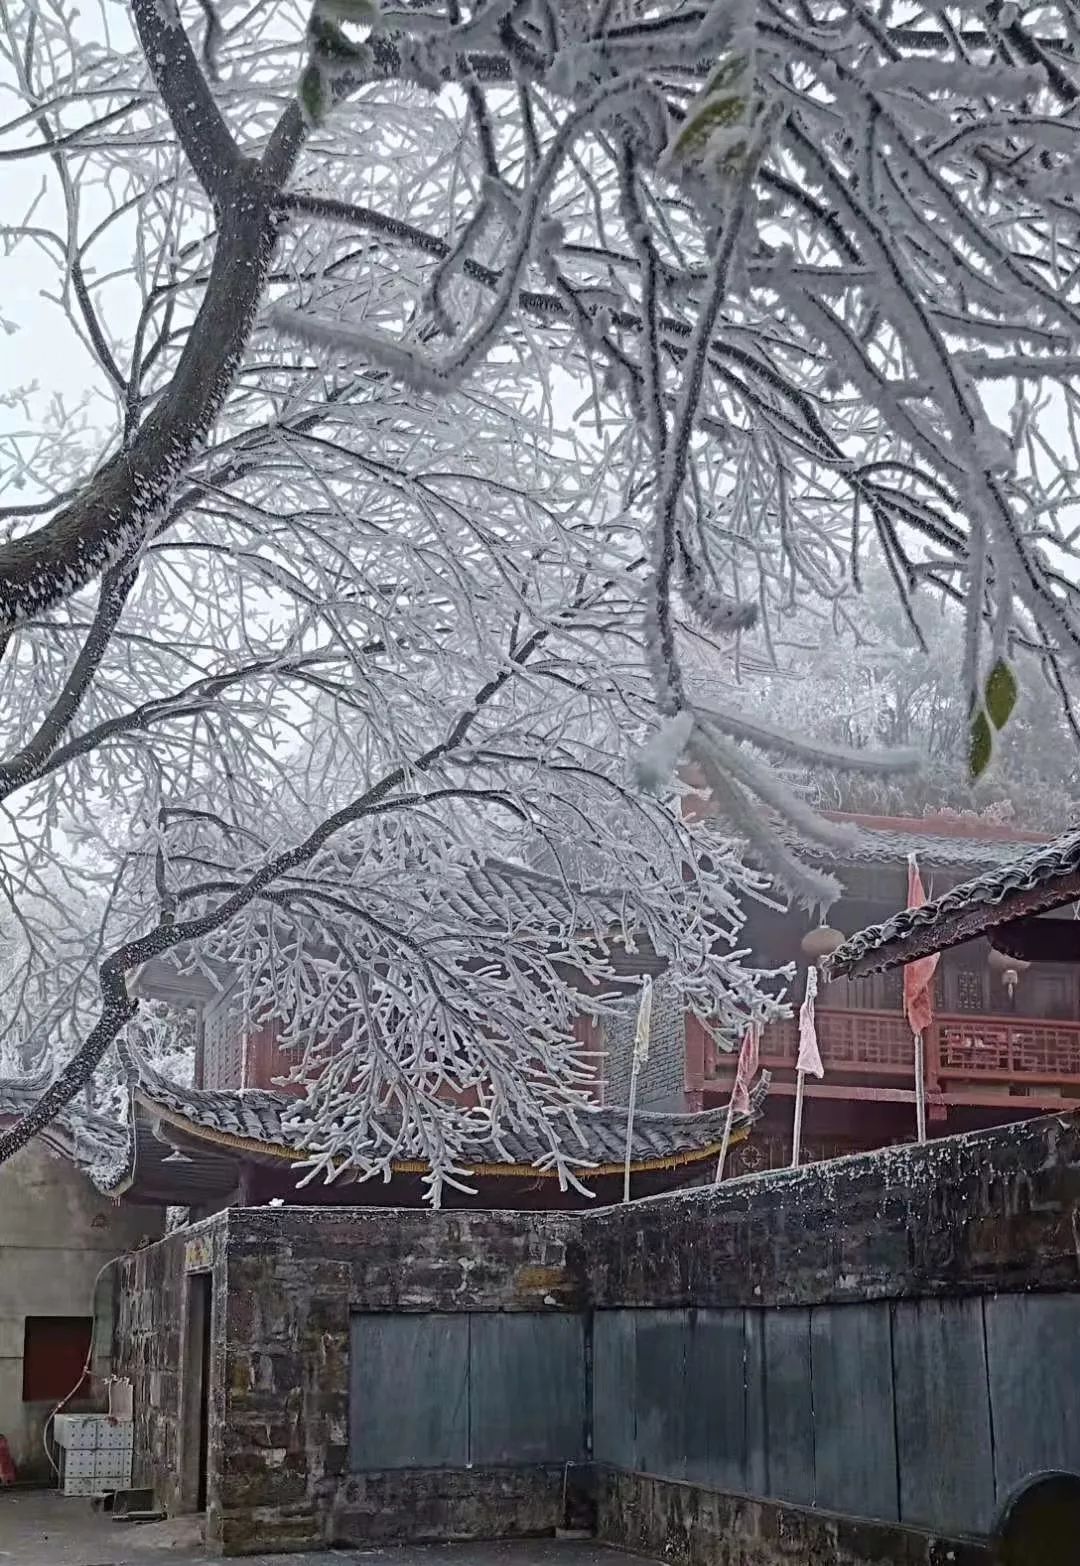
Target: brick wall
149	1339
959	1215
686	1525
884	1346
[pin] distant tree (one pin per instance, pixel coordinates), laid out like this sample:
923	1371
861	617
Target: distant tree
870	684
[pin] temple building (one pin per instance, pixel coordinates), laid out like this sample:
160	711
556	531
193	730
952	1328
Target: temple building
1005	1041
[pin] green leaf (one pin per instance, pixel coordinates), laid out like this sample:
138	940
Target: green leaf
714	114
722	102
727	73
313	94
980	745
1002	692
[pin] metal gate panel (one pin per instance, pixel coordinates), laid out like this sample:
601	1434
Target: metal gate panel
789	1408
1033	1354
757	1468
613	1379
716	1399
944	1443
408	1391
854	1422
527	1388
661	1392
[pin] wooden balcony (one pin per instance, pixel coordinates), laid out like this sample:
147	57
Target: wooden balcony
970	1059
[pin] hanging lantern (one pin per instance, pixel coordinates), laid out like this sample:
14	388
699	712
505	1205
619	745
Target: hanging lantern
822	942
1009	968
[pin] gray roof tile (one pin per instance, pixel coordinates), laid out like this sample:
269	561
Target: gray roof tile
869	846
104	1149
1025	872
95	1144
281	1120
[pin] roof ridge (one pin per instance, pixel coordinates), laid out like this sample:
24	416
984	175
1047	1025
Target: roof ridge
1037	868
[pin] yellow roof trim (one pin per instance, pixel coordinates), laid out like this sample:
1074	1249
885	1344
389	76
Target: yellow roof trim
246	1144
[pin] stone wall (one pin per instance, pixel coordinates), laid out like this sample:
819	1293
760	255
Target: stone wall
690	1526
433	1505
895	1334
997	1210
295	1275
56	1233
997	1214
149	1343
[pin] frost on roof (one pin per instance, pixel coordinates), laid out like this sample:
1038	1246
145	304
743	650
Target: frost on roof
874	948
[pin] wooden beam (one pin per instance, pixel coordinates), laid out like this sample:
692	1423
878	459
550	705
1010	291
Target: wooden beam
840	1091
1017	1105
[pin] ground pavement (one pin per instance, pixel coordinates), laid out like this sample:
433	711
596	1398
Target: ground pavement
43	1528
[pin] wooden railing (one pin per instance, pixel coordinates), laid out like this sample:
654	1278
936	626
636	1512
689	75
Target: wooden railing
1008	1049
958	1048
875	1042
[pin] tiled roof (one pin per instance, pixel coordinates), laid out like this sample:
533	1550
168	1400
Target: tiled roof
1040	868
878	846
101	1148
486	889
280	1123
940	824
941	840
275	1125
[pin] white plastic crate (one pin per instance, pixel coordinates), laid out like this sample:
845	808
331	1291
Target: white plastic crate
116	1437
77	1430
79	1484
97	1452
96	1473
79	1463
92	1485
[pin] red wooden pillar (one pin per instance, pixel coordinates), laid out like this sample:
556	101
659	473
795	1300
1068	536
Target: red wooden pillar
697	1044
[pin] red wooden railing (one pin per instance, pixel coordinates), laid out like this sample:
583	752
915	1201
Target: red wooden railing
965	1048
1006	1049
875	1042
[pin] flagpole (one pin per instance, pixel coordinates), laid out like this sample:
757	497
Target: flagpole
745	1071
640	1055
634	1069
920	1090
918	1000
796	1135
725	1140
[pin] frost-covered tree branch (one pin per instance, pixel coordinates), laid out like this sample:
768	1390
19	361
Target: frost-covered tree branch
468	395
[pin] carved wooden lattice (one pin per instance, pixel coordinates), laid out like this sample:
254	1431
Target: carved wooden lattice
223	1042
969	990
881	1042
1017	1049
855	1039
